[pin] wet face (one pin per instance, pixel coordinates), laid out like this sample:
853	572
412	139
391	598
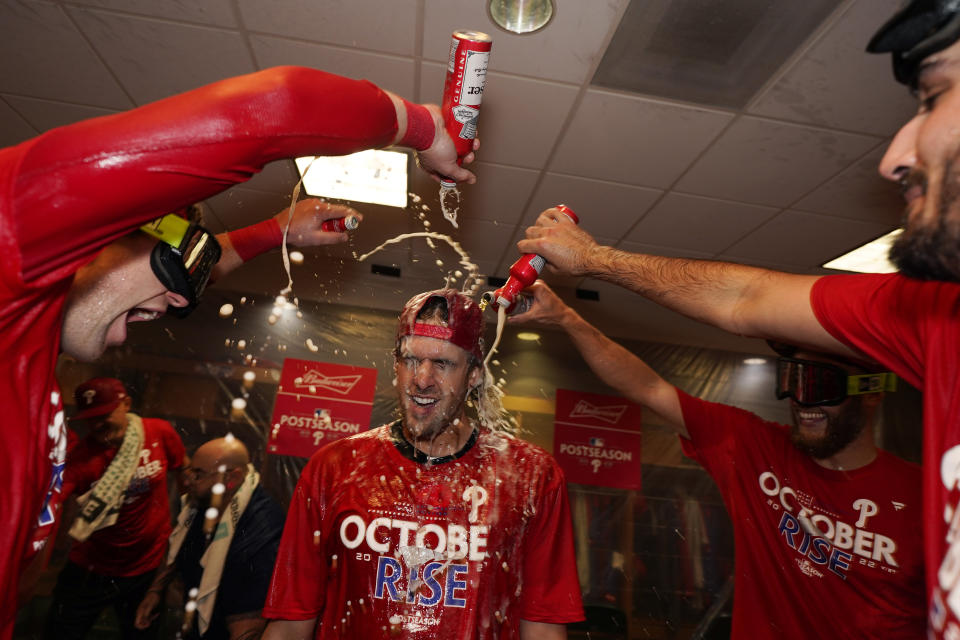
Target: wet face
925	158
433	379
117	288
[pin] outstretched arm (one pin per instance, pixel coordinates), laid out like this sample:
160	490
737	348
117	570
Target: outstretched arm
743	300
611	362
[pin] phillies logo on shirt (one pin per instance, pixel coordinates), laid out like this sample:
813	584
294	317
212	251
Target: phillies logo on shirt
945	598
337	384
610	413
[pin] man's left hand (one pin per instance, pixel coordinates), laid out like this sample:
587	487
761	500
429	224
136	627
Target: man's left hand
308	215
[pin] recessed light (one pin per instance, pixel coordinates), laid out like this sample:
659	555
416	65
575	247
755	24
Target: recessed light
528	335
374	175
755	361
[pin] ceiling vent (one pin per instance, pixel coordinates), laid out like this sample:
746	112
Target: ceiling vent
715	52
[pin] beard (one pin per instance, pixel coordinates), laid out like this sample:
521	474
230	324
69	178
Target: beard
842	429
932	252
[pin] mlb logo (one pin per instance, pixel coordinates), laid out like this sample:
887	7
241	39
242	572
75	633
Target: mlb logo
596	442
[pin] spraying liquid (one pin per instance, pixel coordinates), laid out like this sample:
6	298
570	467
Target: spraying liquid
450	203
472	280
501	320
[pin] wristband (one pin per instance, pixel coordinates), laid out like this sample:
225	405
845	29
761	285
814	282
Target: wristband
420	127
249	242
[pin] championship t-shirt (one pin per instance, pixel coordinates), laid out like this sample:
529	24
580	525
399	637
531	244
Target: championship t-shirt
137	542
819	553
65	194
377	544
913	327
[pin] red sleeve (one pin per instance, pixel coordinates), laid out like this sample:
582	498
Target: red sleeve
884	316
77	188
551	588
300	573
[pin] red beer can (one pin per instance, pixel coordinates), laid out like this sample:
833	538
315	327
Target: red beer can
463	89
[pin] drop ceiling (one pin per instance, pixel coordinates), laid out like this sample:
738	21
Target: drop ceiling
783	176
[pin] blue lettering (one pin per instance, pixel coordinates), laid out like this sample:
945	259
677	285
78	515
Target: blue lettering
453	572
430	581
839	560
388	581
819	550
412	585
805	544
788	527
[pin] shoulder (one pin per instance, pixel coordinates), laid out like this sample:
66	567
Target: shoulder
158	427
348	450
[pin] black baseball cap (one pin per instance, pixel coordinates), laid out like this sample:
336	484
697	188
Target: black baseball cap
920	29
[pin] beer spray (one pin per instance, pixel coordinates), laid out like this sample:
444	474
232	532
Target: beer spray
523	273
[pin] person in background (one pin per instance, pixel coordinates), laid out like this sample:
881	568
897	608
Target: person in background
117	474
228	559
439	525
75	271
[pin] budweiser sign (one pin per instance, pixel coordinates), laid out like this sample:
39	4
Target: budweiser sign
315	379
610	413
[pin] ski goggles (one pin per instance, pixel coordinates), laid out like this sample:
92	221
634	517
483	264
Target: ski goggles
814	383
183	259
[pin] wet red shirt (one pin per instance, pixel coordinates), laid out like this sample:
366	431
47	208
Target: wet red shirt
67	193
464	549
913	327
137	542
862	578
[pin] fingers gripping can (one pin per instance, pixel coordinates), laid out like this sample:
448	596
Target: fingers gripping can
463	89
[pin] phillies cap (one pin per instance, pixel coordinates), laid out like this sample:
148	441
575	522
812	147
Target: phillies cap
464	326
98	397
920	29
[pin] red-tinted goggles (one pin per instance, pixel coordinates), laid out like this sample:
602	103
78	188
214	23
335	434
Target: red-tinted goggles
814	383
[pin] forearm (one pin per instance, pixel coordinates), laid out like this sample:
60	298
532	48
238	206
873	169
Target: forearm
623	371
741	299
290	629
162	577
542	631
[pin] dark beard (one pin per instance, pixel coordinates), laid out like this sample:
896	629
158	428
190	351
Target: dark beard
841	431
933	253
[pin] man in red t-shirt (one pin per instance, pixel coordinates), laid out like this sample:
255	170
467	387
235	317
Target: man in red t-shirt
907	321
118	475
825	524
439	525
75	193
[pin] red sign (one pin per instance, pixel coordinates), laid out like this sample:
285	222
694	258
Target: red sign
596	439
317	403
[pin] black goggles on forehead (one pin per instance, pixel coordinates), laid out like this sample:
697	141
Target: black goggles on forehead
814	383
183	259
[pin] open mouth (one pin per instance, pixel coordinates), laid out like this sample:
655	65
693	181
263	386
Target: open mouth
810	415
421	401
142	315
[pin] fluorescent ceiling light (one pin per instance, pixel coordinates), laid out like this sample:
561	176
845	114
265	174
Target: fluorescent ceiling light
869	258
755	361
528	335
375	176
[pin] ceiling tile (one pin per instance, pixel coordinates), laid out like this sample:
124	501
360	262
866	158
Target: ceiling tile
859	192
485	240
770	162
362	24
701	224
44	56
388	72
499	194
154	59
211	12
803	239
514	126
836	83
606	209
13	128
47	114
566	50
239	207
634	140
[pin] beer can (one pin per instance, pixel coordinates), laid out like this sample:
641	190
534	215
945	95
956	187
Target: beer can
463	88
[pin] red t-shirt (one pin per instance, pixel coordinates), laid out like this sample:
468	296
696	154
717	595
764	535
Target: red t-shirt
137	542
913	327
67	193
863	578
501	510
